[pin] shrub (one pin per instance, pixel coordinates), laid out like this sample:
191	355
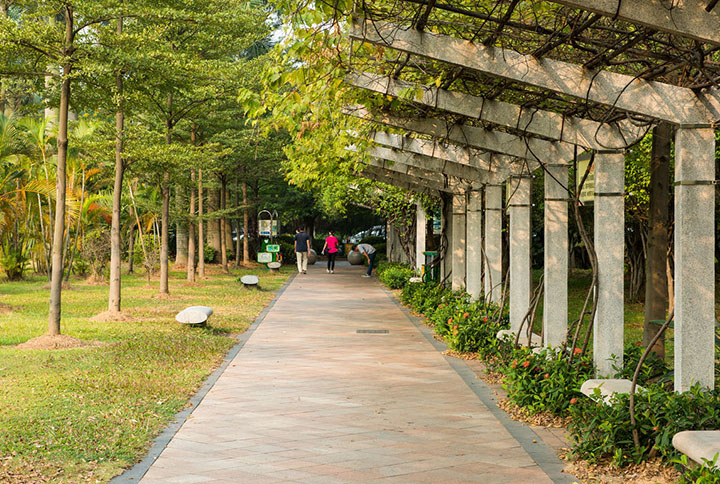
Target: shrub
394	275
96	251
603	431
708	473
654	369
14	261
209	254
546	381
423	298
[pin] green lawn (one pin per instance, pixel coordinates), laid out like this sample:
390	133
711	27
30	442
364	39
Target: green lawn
81	415
578	284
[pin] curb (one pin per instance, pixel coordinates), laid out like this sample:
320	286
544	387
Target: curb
135	473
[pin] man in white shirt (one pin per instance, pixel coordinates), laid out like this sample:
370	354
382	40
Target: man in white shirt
369	252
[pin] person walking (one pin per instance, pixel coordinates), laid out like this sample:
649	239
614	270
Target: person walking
302	247
331	245
369	252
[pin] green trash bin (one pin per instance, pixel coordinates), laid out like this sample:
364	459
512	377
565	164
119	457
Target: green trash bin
430	271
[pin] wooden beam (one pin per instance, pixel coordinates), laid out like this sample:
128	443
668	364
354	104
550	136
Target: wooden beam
648	98
687	18
583	132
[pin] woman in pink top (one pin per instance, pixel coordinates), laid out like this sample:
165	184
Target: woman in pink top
331	247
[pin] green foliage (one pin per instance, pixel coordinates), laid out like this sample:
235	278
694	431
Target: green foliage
96	251
708	473
602	431
546	380
14	261
209	254
423	298
654	369
394	275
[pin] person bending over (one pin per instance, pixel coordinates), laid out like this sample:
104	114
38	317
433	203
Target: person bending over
369	252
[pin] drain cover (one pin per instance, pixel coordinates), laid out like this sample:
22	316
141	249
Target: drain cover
373	331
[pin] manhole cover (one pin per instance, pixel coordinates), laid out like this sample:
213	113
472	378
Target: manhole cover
373	331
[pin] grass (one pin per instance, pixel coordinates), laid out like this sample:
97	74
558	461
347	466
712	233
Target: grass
84	414
578	284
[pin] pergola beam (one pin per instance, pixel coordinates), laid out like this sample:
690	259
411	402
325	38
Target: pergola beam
535	151
653	99
687	18
583	132
475	158
435	165
390	176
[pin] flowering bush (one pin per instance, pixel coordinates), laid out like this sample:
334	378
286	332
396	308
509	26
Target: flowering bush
394	274
545	381
603	431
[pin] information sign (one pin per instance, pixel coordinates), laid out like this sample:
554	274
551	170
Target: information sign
265	227
264	257
272	247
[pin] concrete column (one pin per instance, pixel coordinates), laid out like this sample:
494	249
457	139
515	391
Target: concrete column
694	256
446	239
555	306
493	243
459	208
389	240
474	269
420	236
610	249
520	263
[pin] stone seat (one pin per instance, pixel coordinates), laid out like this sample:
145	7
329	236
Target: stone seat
250	282
699	445
194	315
415	279
608	387
535	339
273	266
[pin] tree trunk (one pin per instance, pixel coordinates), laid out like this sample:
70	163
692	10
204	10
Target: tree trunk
191	228
237	225
656	287
213	223
201	228
164	234
181	229
223	225
114	296
62	149
246	225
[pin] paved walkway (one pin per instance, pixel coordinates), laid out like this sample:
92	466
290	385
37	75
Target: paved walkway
312	399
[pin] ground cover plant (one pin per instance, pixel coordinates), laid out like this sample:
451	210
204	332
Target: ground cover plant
394	274
77	414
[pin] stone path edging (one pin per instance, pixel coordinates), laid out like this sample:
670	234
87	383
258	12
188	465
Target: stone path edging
541	453
135	473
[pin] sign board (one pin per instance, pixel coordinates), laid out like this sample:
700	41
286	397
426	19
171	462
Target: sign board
265	227
437	222
272	247
274	228
587	194
264	257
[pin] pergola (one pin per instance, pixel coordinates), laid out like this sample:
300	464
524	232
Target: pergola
494	89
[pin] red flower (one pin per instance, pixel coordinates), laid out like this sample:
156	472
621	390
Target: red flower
484	320
513	364
573	401
638	343
455	327
546	375
466	315
577	351
525	364
455	332
655	429
449	320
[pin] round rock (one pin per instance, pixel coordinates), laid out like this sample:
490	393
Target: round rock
194	315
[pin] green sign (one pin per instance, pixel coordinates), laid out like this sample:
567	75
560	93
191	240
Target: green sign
272	247
264	257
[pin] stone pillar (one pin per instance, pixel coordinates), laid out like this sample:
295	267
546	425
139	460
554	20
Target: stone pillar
473	277
555	306
610	249
520	259
694	258
493	243
389	241
420	236
459	208
447	234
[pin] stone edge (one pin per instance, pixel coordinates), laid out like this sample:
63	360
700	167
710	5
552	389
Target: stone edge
541	453
136	472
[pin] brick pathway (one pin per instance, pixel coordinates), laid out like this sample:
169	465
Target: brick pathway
308	399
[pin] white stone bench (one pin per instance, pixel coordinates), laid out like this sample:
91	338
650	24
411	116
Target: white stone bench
535	339
250	282
194	315
274	266
608	387
699	445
